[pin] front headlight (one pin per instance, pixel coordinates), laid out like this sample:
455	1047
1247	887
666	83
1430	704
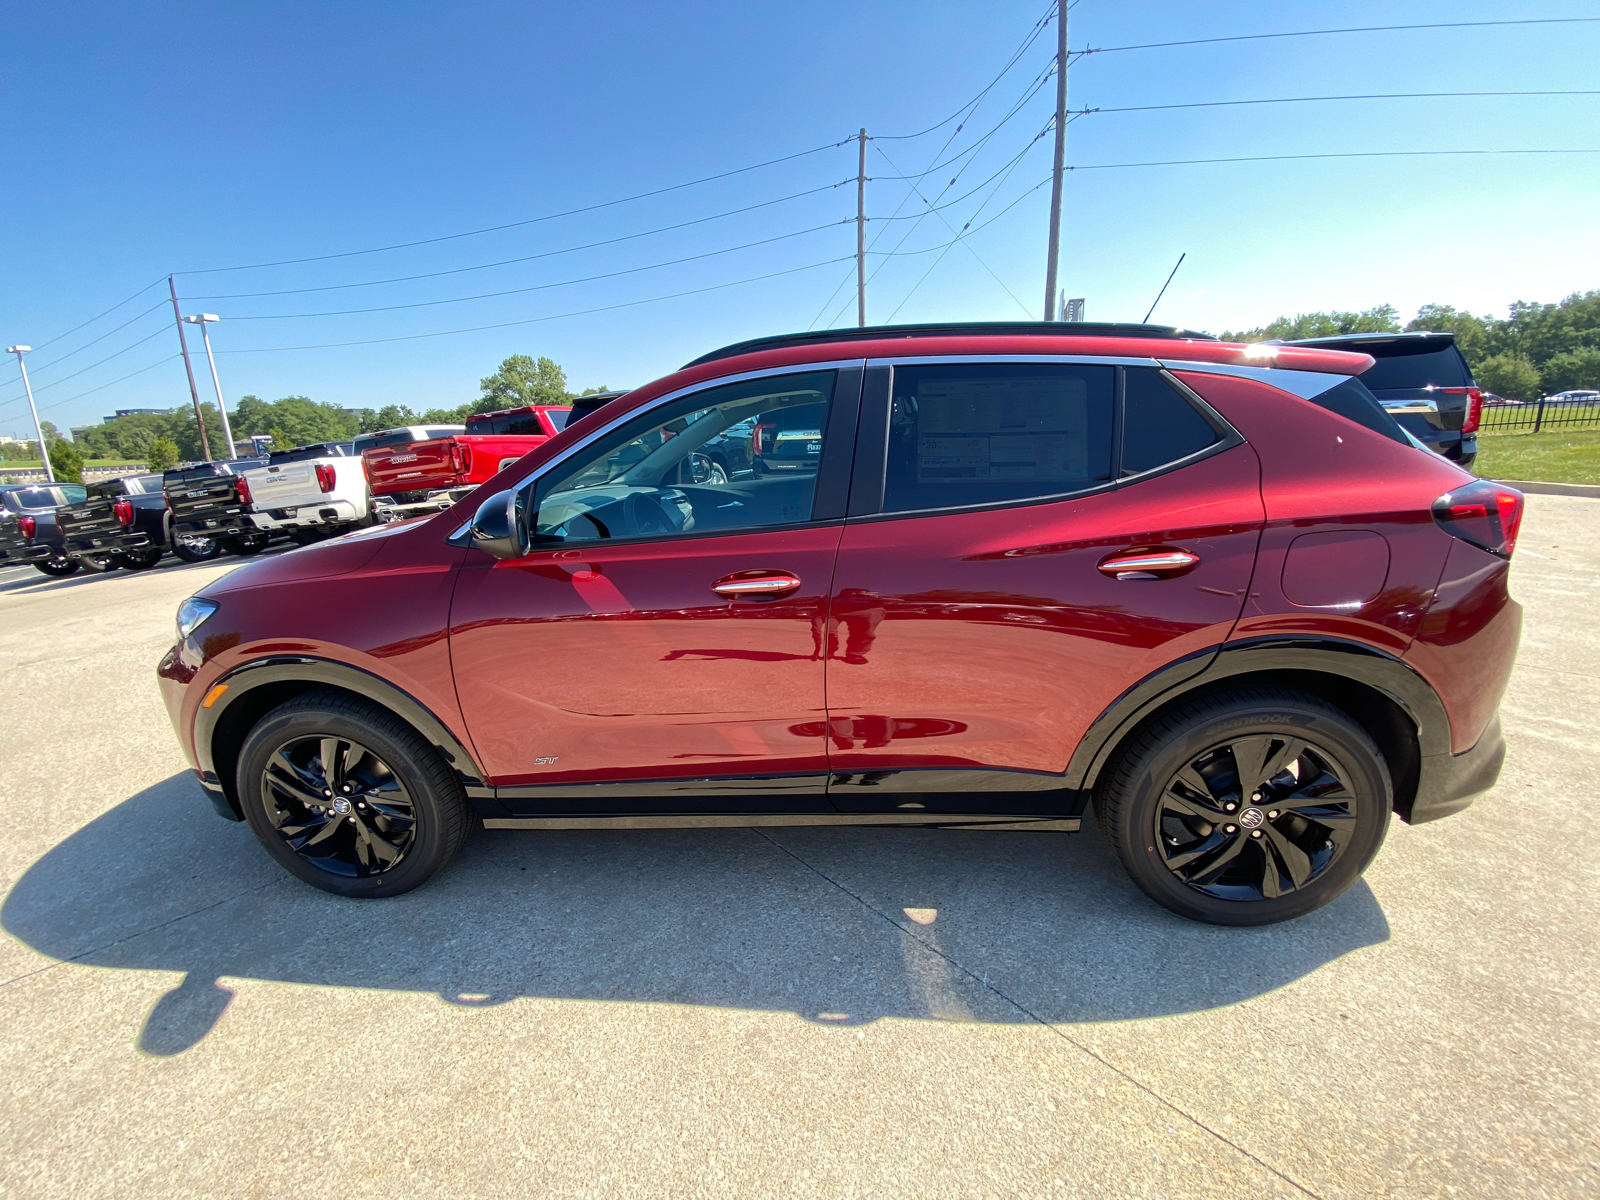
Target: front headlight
191	613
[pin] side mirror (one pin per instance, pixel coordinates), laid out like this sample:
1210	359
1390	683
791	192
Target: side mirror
499	527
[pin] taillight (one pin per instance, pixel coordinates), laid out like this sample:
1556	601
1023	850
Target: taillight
1469	423
124	511
167	497
27	525
1483	513
326	476
241	488
461	457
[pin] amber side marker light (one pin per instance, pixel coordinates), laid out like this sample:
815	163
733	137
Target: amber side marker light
213	695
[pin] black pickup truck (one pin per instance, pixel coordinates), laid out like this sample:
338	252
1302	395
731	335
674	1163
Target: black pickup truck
28	532
210	506
120	523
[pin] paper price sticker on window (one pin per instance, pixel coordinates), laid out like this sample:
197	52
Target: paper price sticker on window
953	460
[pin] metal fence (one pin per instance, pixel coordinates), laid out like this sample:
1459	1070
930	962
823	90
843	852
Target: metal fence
1538	416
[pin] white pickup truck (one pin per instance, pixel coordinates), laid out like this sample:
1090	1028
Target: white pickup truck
309	493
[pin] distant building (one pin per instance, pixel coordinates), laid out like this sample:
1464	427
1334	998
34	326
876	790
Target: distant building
134	412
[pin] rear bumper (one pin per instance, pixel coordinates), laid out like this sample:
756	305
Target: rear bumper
331	512
1448	783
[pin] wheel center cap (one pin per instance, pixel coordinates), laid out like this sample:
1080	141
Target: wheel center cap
342	806
1252	818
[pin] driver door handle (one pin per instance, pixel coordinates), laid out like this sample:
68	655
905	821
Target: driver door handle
1149	564
758	583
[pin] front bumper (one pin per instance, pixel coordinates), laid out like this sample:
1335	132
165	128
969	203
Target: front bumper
1448	783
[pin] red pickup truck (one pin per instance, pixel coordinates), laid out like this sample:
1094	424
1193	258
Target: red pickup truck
407	472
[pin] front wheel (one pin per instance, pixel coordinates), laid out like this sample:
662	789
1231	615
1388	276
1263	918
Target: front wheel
1248	807
348	797
191	549
56	567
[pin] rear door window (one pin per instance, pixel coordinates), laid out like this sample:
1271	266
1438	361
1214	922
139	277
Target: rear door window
1160	425
971	434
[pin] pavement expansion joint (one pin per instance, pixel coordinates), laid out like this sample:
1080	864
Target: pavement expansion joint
142	932
983	982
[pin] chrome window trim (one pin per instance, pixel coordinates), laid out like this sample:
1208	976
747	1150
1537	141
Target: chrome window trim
1305	384
912	360
677	394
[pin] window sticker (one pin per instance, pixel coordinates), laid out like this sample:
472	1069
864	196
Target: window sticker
1002	430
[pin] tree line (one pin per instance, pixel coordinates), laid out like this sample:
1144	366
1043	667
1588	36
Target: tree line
1536	350
162	440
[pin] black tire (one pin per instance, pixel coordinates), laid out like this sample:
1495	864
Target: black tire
98	564
57	568
399	778
247	545
1321	816
191	549
139	560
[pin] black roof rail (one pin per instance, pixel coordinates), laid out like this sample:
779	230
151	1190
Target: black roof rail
955	329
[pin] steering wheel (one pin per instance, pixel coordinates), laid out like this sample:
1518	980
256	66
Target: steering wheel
645	514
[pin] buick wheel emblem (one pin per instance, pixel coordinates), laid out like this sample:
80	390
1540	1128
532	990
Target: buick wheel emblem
1252	818
341	805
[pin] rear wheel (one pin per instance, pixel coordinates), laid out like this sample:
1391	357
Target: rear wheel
57	567
1248	807
348	797
192	549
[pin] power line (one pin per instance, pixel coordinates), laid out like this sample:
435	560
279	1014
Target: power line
1313	99
505	262
1190	162
107	313
101	338
541	287
1039	27
90	367
554	317
159	362
1256	37
571	212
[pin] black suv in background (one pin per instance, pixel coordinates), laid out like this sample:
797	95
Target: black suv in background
1424	381
28	532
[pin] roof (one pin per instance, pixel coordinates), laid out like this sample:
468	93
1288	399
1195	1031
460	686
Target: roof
1057	329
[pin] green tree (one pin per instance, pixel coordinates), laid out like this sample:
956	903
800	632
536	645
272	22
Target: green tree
1508	375
66	461
163	455
52	435
522	380
1572	369
1380	319
294	421
390	416
1474	335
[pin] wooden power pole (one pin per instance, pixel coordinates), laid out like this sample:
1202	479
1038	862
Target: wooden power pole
1061	162
194	392
861	235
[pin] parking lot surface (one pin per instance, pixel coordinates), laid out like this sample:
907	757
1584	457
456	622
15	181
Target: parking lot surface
832	1013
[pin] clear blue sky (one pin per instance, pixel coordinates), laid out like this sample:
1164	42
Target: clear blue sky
154	138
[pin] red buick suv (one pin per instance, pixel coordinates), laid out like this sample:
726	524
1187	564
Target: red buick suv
1005	573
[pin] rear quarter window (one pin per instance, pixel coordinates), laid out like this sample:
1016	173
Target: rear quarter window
1159	425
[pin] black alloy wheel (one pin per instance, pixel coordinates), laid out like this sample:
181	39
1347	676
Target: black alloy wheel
1248	807
57	567
348	797
191	548
338	805
98	564
246	545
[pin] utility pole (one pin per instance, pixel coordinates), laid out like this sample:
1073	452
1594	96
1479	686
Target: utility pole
194	392
203	320
44	451
1061	159
861	235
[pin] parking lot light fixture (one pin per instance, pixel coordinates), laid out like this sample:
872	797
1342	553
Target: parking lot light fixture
44	451
202	320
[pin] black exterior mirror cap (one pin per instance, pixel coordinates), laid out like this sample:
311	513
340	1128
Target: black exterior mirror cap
495	527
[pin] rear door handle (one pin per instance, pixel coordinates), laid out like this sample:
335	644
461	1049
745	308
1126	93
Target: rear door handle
1150	564
756	584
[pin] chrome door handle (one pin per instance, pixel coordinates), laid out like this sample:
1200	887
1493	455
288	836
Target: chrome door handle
756	583
1151	564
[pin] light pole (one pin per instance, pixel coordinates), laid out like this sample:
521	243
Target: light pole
44	451
203	320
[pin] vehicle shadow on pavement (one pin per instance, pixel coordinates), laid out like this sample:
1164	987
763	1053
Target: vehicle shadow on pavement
841	926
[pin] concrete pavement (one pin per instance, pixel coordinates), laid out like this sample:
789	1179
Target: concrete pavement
780	1012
